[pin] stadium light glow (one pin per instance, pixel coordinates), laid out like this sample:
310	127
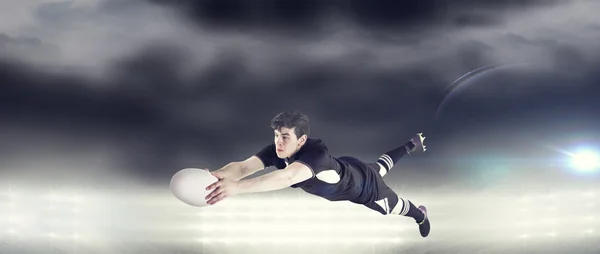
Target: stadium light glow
264	224
585	160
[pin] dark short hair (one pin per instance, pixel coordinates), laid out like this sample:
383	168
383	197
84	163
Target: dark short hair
292	119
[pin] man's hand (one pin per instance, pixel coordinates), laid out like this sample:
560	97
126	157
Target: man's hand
222	189
219	175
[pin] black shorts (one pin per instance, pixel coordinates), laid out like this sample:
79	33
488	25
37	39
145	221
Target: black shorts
374	193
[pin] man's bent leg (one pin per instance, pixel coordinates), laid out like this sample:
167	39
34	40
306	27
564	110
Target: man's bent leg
390	158
385	201
391	204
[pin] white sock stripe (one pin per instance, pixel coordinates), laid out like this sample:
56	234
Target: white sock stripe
388	161
401	202
385	161
405	207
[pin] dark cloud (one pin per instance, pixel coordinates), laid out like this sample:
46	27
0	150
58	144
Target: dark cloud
306	15
567	56
30	92
26	47
56	12
155	114
525	96
106	35
6	41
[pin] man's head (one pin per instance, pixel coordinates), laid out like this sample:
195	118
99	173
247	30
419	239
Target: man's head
291	130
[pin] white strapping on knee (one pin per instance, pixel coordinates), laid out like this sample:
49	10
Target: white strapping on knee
382	169
383	203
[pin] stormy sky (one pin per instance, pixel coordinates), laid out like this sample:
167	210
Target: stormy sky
103	91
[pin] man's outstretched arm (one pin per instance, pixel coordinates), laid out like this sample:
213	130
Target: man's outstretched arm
239	169
276	180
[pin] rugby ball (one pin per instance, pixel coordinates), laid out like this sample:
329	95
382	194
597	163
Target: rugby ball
189	186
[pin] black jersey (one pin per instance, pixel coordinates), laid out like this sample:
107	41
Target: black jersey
333	178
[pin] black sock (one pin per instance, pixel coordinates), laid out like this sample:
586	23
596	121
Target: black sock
389	159
410	210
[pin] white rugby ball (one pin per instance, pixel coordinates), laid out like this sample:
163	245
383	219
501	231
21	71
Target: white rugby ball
189	186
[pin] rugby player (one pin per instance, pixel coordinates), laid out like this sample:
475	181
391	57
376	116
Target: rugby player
304	162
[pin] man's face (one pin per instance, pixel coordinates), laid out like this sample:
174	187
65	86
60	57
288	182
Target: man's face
286	142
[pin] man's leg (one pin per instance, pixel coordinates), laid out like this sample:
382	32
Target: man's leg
388	203
377	196
390	158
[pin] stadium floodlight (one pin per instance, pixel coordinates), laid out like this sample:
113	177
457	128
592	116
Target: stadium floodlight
586	160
